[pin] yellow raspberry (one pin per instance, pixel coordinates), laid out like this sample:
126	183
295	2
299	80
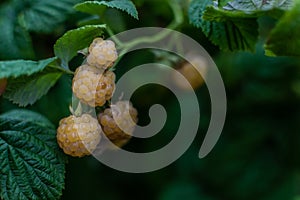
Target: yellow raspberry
92	86
78	136
102	53
190	72
118	114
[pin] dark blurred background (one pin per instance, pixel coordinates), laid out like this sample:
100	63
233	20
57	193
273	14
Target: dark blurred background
257	154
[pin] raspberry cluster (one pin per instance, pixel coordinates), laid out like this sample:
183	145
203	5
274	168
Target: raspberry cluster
94	84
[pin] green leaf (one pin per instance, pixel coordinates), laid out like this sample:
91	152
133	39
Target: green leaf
234	26
97	7
196	9
250	6
239	35
44	16
219	15
284	40
232	34
16	68
15	40
254	8
222	3
71	42
26	90
32	165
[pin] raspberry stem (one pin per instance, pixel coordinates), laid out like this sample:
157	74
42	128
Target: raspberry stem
63	69
112	35
178	20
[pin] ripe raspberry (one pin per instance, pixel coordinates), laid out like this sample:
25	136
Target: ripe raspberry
102	53
190	72
118	114
92	86
78	136
3	83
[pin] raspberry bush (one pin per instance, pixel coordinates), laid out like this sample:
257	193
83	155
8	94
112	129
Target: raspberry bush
53	49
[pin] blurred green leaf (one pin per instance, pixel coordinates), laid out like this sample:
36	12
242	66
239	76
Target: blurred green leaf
15	40
44	16
284	40
18	17
97	7
16	68
32	166
117	20
26	90
72	41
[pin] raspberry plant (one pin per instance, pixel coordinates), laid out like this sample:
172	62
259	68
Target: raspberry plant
32	166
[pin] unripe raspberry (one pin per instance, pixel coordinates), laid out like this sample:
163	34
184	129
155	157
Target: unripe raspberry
122	113
102	53
92	86
78	136
3	83
191	72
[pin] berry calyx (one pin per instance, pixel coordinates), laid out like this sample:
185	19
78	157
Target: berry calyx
102	53
118	122
92	86
78	136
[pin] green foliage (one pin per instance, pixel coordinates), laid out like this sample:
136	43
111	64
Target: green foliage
222	3
15	40
18	18
252	6
247	9
16	68
29	80
195	12
26	90
32	166
253	159
285	37
98	7
71	42
234	26
44	16
232	34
